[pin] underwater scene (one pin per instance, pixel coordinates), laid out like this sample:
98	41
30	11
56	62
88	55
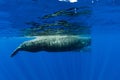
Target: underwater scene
59	40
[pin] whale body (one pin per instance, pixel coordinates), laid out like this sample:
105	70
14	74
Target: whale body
56	43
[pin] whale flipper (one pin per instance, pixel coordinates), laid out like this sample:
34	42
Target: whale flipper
15	52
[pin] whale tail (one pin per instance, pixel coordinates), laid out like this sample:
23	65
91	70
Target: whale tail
15	52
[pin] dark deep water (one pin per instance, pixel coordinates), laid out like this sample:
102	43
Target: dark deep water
102	63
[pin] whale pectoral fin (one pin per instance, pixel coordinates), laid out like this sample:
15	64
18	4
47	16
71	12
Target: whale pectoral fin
15	52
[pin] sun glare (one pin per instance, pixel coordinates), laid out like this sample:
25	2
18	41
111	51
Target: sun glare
71	1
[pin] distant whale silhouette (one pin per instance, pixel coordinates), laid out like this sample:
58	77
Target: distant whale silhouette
56	43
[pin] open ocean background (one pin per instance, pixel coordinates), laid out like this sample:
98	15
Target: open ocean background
102	63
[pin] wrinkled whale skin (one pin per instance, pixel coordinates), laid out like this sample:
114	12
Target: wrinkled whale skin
55	43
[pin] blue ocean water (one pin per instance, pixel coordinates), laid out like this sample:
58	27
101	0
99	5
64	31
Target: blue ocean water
102	63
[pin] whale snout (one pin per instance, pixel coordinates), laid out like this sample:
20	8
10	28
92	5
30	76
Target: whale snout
86	42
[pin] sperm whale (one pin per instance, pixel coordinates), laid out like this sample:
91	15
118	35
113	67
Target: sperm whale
53	43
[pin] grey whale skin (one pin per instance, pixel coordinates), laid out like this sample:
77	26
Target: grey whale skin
54	43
